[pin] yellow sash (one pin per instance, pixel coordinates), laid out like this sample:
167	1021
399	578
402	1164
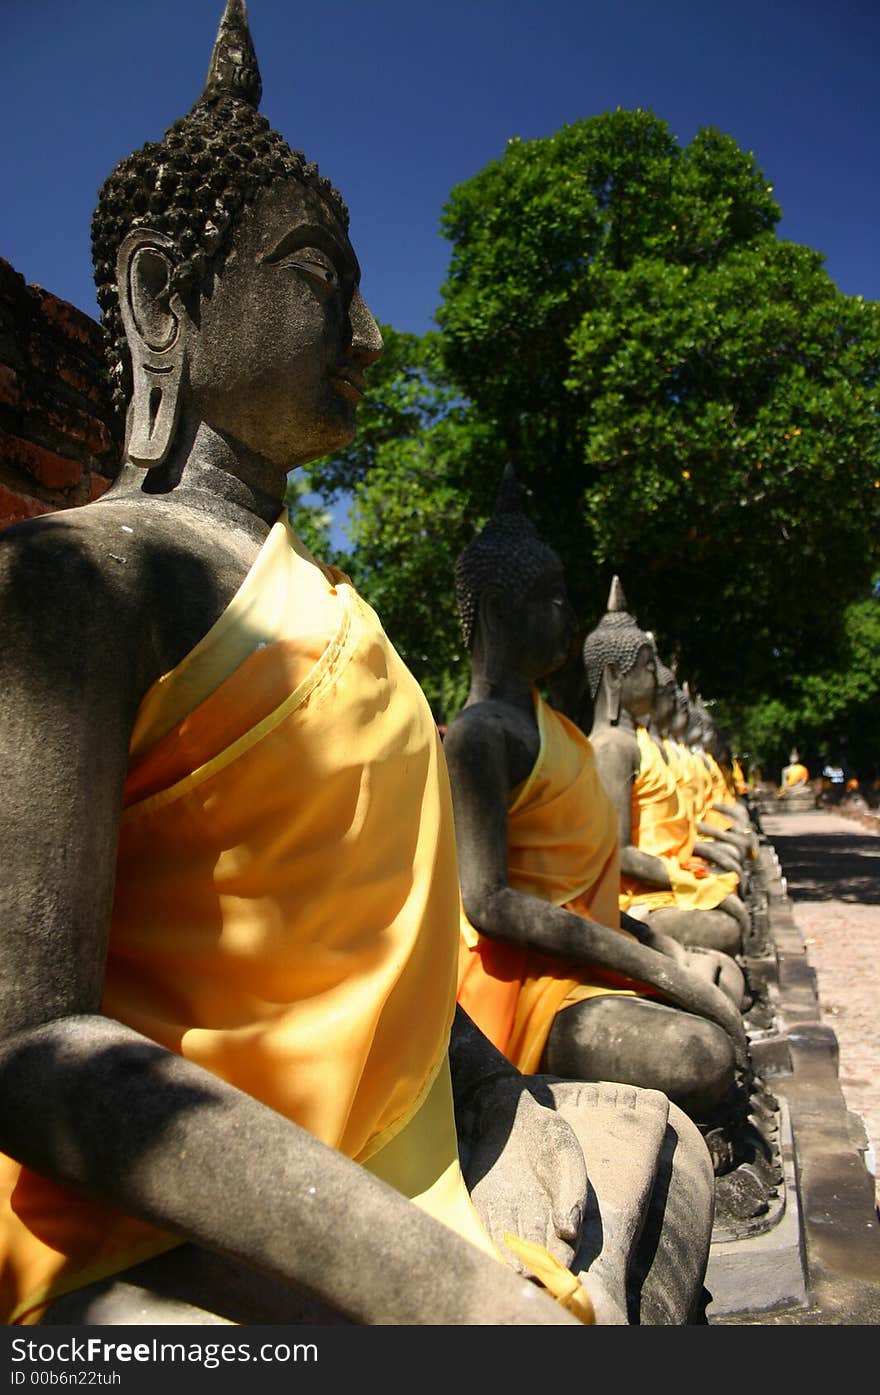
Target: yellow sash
662	828
286	906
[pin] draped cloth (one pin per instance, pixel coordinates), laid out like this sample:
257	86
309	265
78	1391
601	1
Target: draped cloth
796	774
562	848
286	908
661	826
705	790
722	790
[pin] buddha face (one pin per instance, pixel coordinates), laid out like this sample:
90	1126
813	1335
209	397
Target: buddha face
639	684
679	723
278	354
546	623
664	706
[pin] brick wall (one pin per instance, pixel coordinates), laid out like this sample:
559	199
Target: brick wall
59	445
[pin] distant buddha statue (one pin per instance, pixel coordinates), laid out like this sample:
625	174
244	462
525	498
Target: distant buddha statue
234	1082
668	724
620	663
720	814
550	969
696	854
795	773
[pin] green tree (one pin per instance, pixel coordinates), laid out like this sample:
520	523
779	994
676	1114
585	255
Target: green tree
688	400
830	713
410	470
308	515
693	401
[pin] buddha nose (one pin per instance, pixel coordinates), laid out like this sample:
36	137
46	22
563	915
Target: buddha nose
366	341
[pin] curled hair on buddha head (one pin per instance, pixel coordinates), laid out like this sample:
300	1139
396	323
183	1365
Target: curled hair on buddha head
192	186
616	639
507	553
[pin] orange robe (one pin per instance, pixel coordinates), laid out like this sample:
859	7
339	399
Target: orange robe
660	825
796	775
679	759
691	789
562	848
286	909
705	791
722	793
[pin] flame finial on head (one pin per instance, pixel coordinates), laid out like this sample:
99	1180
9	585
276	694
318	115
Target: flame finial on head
616	598
233	70
617	638
509	498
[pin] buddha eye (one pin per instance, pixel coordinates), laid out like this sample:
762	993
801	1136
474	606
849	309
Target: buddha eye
316	266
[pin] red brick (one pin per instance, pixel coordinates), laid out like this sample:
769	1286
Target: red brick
52	470
98	485
76	326
14	507
12	283
10	388
45	356
67	422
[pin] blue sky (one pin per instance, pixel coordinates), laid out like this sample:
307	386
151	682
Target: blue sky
399	102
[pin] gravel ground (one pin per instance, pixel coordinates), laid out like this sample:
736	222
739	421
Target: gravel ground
832	869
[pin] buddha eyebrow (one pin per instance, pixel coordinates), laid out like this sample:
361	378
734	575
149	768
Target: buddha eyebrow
308	235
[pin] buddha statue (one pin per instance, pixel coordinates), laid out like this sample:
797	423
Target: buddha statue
795	790
720	814
699	852
795	773
228	832
620	663
550	970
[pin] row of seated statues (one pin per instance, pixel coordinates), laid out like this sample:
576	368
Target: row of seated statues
306	1017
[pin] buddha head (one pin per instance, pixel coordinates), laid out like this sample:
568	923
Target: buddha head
510	589
620	662
228	287
714	739
682	714
695	730
664	696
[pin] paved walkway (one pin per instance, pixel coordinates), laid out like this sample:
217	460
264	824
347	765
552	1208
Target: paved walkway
832	869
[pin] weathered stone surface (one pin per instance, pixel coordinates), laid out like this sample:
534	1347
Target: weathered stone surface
830	1217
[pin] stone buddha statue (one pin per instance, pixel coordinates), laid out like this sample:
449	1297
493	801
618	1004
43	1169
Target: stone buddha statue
620	663
795	773
696	847
228	831
550	970
795	790
720	815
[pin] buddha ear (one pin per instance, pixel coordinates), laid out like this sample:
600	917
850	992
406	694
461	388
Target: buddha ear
156	340
494	610
612	683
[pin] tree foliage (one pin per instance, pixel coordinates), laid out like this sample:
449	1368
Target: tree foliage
410	470
831	714
689	401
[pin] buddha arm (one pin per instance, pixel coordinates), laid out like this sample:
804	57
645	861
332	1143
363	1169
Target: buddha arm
521	1161
479	768
95	1105
617	761
88	1101
735	838
726	858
